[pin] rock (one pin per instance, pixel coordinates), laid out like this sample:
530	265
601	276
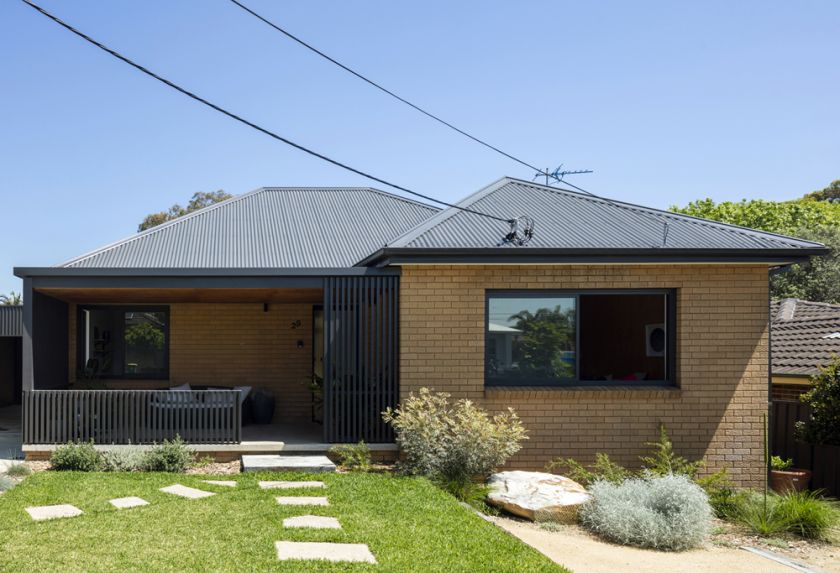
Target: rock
537	495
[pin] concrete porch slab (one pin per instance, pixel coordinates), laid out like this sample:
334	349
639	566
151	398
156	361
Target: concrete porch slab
45	512
297	550
272	463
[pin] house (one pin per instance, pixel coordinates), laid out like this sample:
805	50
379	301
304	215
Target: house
11	328
612	320
805	337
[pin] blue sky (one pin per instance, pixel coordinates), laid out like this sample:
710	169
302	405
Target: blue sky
666	101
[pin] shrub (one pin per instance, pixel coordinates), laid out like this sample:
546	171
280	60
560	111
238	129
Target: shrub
170	456
18	471
823	427
670	512
124	459
78	456
664	461
725	500
353	456
6	483
452	442
807	514
762	516
777	463
604	469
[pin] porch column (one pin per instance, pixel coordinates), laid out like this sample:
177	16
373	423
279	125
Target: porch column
27	362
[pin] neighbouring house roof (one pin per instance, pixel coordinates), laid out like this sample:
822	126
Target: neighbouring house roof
11	320
269	228
574	224
805	336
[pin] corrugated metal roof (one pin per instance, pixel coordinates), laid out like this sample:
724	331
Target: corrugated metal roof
11	320
269	228
802	335
571	220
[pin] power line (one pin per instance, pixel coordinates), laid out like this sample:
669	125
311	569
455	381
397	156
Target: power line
512	222
380	87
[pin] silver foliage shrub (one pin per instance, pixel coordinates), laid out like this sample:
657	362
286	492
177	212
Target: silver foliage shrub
123	459
670	513
453	441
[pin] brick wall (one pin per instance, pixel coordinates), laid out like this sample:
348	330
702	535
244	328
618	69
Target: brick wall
236	344
715	413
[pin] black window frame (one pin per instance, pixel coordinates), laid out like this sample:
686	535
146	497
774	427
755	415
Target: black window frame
80	335
670	295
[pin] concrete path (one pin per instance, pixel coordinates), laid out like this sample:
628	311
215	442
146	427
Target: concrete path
302	500
312	522
128	502
45	512
220	482
184	491
354	552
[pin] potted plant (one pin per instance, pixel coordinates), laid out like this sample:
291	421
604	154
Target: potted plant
784	477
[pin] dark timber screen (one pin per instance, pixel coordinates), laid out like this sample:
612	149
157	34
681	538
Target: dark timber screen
131	416
361	357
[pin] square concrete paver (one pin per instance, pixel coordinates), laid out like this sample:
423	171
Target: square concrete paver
44	512
302	500
221	482
289	550
290	484
312	522
128	502
184	491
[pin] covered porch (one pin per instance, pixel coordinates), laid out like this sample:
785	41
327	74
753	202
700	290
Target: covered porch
264	360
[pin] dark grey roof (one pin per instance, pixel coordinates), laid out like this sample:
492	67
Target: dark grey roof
269	228
11	320
572	220
806	335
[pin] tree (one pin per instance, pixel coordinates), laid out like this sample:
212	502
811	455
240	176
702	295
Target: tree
823	427
11	299
830	193
546	336
809	219
199	200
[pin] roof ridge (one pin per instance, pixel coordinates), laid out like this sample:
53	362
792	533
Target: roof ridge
162	226
744	231
367	189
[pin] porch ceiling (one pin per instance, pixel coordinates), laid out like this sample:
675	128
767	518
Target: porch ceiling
171	295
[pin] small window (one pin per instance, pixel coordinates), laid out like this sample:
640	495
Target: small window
123	342
539	338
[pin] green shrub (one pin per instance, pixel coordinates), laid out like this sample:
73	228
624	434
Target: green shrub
124	459
170	456
807	514
353	456
452	442
823	426
78	456
664	461
762	517
670	513
725	500
18	471
6	483
604	469
779	464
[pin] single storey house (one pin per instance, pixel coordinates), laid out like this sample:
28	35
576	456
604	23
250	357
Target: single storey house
805	337
336	303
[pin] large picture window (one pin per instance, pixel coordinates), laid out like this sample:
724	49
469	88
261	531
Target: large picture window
560	338
123	342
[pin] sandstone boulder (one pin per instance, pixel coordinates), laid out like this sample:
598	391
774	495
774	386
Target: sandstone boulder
537	495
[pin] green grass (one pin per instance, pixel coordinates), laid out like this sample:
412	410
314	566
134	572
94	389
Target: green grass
409	524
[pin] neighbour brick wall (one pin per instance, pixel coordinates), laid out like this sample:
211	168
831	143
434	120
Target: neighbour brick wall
236	344
716	412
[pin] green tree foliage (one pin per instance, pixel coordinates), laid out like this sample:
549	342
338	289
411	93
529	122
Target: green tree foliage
11	299
823	427
811	218
144	335
546	335
199	201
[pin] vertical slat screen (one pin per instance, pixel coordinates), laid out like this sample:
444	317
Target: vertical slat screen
131	416
361	379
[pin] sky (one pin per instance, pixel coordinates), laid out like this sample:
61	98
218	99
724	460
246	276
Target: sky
666	101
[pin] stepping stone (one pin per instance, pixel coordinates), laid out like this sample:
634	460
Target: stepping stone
302	500
185	491
274	463
221	482
297	550
290	484
45	512
312	521
128	502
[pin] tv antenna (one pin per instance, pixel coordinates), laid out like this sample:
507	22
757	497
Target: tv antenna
556	176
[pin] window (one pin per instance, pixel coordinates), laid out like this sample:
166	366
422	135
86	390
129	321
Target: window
564	338
123	342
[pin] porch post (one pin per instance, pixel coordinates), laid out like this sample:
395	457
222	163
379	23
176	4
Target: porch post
27	362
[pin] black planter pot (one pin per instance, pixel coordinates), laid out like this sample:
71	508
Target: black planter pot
262	407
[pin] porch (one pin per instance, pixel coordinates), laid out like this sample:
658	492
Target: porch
138	359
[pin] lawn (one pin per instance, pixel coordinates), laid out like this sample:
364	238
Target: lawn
408	524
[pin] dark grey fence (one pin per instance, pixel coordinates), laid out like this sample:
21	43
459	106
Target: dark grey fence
360	359
131	416
823	461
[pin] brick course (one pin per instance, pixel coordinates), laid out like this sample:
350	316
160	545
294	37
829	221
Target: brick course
722	374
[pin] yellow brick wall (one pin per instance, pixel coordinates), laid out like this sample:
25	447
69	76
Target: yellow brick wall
716	412
236	345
